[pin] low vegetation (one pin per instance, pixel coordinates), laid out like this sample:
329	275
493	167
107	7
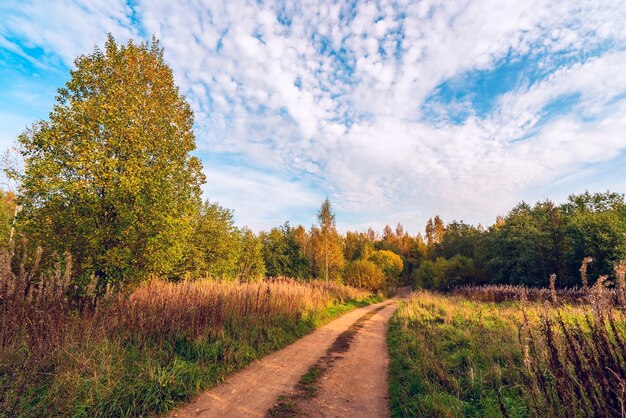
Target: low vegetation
143	351
457	356
107	227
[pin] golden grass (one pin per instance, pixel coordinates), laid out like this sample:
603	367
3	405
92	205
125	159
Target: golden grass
452	357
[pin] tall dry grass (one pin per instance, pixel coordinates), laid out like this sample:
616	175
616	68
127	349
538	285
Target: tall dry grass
457	357
136	352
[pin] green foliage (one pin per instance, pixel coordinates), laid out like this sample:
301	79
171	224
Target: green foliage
390	263
364	274
250	262
424	276
214	247
445	274
110	177
596	228
283	255
532	242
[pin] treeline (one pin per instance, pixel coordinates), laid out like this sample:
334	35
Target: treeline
109	194
529	244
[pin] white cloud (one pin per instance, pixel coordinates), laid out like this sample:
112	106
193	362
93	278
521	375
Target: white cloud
351	123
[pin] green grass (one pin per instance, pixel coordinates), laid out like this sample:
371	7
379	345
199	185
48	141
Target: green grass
451	357
112	378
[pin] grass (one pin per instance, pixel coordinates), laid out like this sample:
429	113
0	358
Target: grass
451	357
144	352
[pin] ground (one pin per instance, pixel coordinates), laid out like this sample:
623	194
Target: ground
353	383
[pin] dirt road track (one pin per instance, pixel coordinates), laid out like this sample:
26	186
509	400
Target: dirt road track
357	384
253	390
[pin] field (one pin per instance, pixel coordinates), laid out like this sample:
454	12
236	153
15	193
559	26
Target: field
142	352
454	356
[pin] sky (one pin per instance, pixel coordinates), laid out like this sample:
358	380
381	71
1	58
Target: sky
395	110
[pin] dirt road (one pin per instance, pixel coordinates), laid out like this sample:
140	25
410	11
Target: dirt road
360	377
357	384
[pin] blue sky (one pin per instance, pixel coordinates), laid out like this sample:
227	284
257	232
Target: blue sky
396	110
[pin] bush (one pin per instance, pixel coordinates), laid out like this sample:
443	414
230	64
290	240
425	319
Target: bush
389	262
444	274
424	276
364	274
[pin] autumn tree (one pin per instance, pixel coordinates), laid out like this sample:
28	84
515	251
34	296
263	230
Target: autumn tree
389	262
364	274
326	243
357	245
109	177
435	229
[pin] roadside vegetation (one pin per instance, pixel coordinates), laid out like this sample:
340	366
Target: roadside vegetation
142	352
495	351
123	292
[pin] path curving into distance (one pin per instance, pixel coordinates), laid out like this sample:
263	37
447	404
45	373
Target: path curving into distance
355	384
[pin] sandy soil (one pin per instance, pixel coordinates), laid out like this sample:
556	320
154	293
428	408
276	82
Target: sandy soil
357	384
253	390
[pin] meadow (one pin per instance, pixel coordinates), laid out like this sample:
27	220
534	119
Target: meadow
466	355
142	351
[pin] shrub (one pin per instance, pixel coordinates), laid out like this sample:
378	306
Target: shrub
389	262
365	275
444	274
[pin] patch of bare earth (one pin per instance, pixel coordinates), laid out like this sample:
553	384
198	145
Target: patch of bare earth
253	390
351	379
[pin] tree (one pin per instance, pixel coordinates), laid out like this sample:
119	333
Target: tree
282	253
357	245
215	244
596	228
444	274
110	177
424	275
435	230
457	271
364	274
328	253
389	262
250	263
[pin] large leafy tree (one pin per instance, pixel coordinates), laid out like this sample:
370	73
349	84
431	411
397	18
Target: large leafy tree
596	228
110	177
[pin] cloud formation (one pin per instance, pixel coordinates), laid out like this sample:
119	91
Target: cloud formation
395	109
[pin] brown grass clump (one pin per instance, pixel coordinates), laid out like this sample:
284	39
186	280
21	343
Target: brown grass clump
455	357
583	272
78	350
